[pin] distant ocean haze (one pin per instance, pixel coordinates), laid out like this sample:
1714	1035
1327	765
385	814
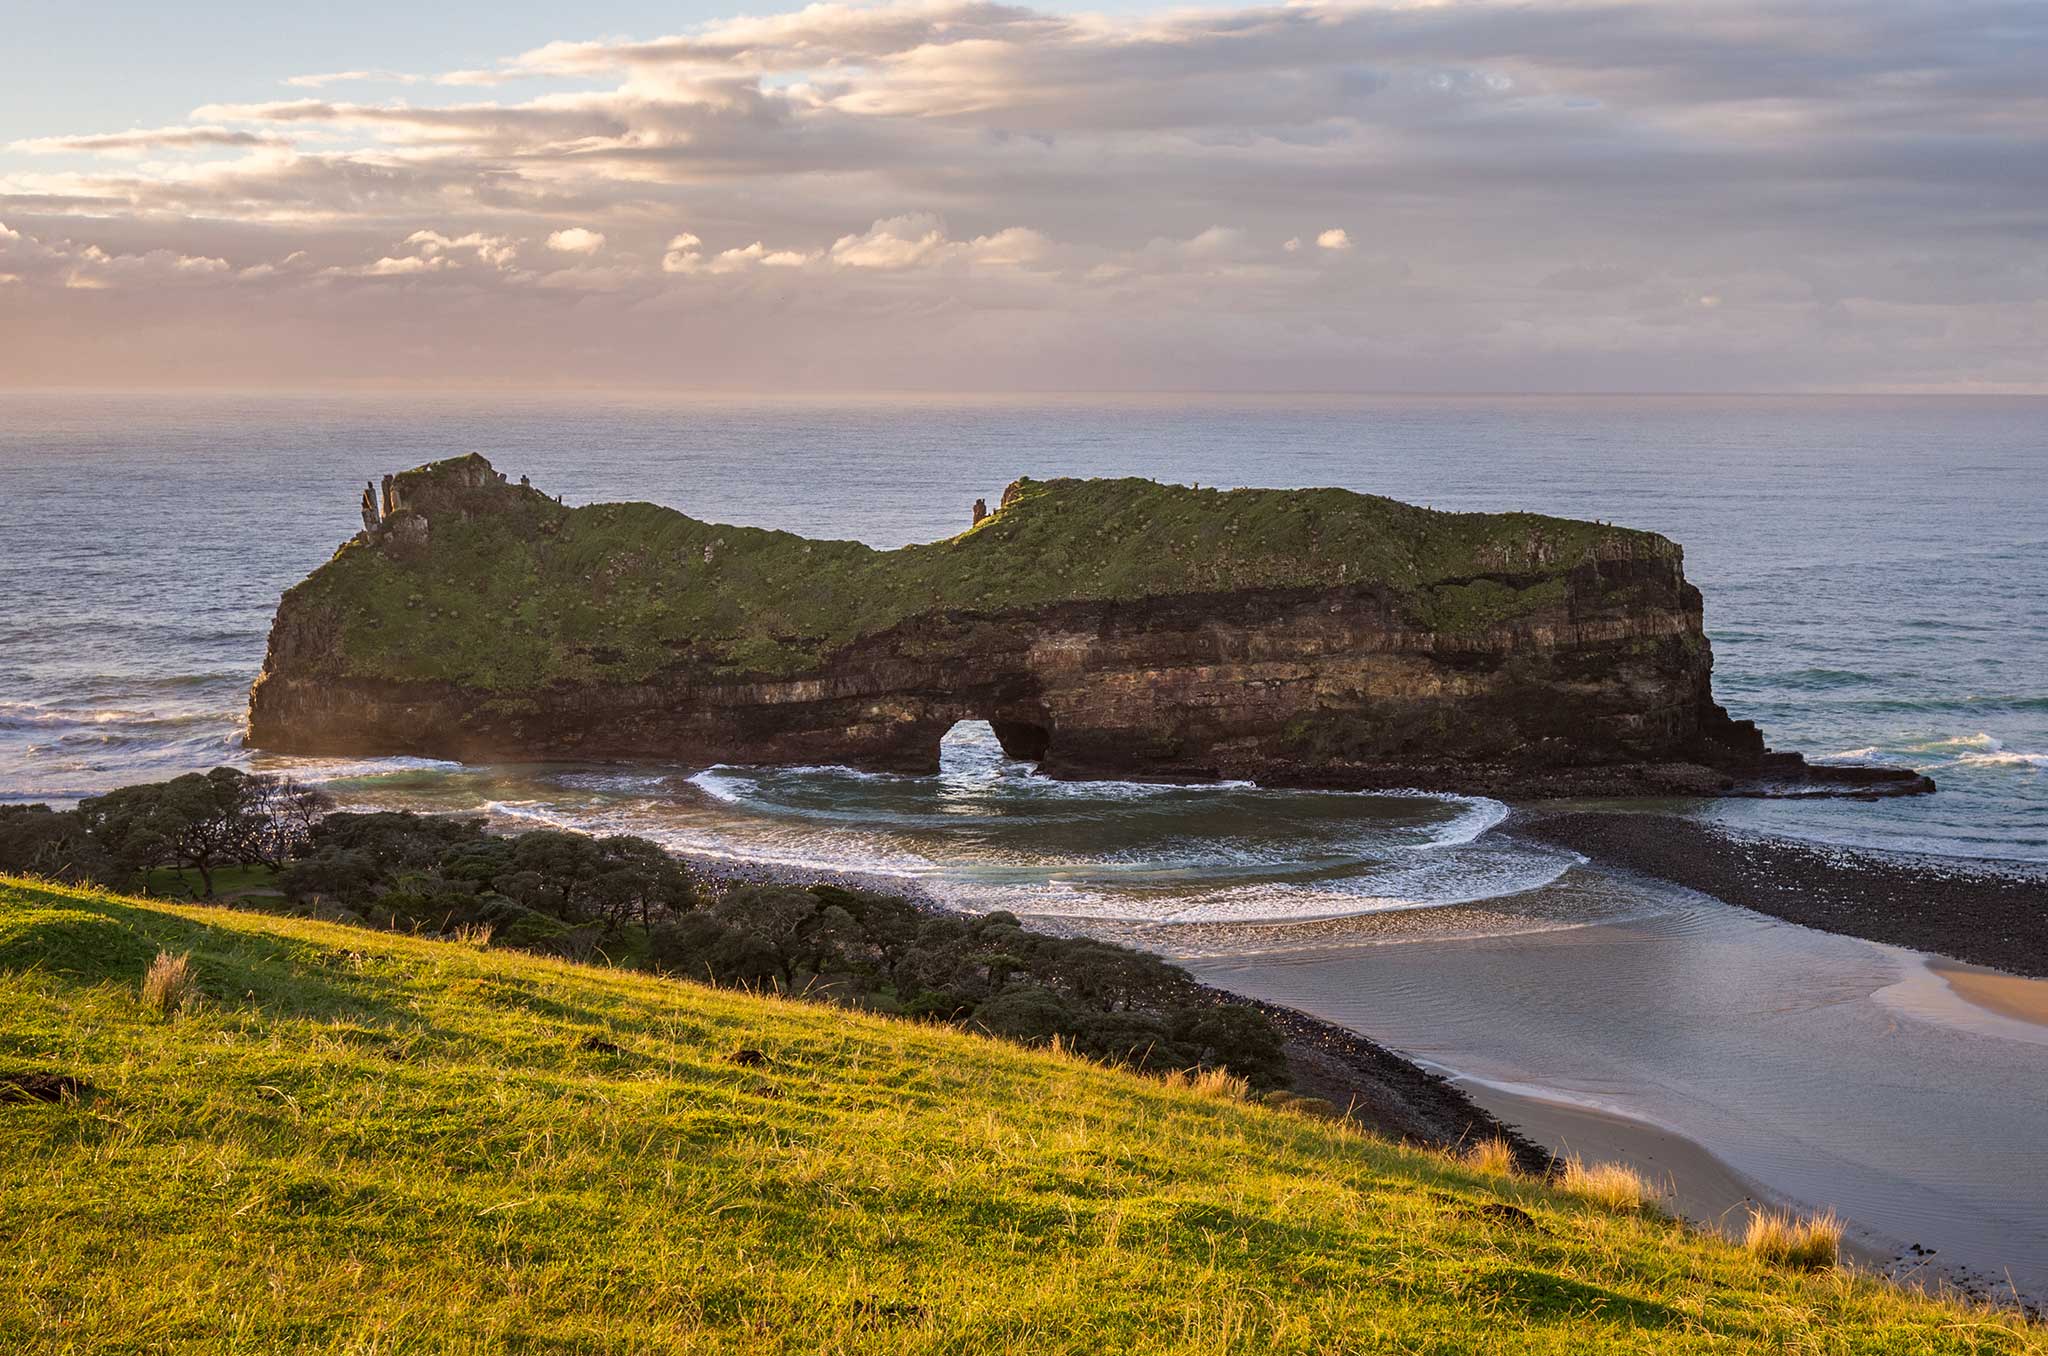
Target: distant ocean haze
1873	571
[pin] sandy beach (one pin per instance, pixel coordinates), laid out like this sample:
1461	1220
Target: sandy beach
2015	996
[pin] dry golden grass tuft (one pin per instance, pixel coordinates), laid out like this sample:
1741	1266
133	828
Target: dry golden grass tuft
1809	1244
1220	1084
1614	1185
477	935
1491	1155
170	985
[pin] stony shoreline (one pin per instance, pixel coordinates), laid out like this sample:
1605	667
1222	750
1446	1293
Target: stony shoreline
1980	912
1380	1088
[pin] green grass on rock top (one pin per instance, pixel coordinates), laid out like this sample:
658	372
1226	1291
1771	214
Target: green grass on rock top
366	1142
524	591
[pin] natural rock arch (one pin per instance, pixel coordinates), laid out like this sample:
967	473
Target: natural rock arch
1102	628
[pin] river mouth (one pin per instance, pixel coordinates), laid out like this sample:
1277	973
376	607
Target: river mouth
1830	1071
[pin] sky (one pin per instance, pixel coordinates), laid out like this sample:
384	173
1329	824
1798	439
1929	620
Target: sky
1471	195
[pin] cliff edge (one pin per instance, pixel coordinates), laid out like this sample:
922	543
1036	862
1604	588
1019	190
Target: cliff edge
1103	627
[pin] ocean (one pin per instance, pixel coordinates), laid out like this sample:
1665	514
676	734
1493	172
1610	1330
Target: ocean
1874	571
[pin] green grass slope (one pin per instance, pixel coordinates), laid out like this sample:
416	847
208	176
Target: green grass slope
361	1142
522	591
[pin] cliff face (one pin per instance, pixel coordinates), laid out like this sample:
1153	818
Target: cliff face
1103	627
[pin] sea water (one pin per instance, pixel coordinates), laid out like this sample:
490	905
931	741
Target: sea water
1874	572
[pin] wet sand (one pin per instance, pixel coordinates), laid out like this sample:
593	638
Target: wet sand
2012	996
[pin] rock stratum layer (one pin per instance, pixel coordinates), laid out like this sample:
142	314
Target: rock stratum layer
1103	627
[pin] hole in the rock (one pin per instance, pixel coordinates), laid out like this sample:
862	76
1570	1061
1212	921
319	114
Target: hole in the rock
1022	740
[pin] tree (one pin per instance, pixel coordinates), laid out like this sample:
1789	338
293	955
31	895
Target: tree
282	815
635	878
202	820
36	840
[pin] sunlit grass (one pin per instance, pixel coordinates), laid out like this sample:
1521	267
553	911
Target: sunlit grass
369	1142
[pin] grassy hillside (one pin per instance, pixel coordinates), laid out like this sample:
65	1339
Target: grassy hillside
511	590
361	1142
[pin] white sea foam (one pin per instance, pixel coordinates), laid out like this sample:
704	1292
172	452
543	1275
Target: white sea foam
2004	758
18	715
1479	817
334	770
1979	741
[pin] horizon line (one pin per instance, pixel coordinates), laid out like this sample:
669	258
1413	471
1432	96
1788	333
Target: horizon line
527	389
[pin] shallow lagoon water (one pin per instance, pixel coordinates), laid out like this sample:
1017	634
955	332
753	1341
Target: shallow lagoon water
1832	1071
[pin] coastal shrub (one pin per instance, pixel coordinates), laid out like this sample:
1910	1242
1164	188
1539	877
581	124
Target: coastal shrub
1812	1244
513	924
702	947
36	840
1614	1185
170	985
343	875
1028	1013
439	873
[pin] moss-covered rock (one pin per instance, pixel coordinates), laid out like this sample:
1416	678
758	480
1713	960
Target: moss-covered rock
1103	626
500	588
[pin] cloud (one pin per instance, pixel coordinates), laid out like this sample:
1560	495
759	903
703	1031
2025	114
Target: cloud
758	255
497	250
576	240
920	240
683	255
327	78
146	139
82	266
922	187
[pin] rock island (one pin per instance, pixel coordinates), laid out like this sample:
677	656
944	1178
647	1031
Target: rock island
1104	628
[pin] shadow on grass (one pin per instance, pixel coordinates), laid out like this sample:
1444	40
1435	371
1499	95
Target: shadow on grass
96	941
1544	1297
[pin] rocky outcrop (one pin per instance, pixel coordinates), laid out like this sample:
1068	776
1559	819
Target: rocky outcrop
1104	628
